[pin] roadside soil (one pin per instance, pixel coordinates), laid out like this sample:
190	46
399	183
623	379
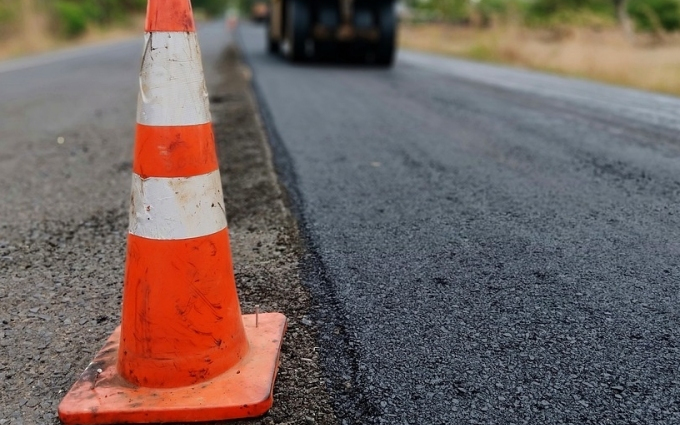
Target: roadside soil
41	40
267	248
61	282
604	54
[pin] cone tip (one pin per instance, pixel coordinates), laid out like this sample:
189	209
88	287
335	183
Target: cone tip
170	15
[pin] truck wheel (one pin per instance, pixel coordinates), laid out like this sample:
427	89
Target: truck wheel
328	17
272	45
387	23
298	29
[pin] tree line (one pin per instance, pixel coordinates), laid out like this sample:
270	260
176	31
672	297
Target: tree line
70	18
631	15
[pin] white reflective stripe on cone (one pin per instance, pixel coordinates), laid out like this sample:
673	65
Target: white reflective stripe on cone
178	207
171	84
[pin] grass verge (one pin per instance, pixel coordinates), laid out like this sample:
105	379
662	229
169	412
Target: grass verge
40	40
603	55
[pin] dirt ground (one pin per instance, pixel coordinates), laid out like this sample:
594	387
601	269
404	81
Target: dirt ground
603	54
61	288
41	41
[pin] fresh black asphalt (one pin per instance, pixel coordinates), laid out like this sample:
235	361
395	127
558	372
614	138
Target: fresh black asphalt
486	245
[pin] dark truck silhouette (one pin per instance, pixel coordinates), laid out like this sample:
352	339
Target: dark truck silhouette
313	29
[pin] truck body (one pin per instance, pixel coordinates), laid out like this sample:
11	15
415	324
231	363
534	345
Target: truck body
316	29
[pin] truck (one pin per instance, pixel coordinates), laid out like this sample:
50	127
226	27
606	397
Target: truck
363	30
259	11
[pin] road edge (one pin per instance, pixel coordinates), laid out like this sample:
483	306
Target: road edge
339	355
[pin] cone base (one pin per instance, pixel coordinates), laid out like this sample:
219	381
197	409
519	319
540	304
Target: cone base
102	396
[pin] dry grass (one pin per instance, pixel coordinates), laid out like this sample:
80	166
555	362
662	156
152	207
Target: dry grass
39	39
604	55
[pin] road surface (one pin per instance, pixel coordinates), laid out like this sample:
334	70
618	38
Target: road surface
486	245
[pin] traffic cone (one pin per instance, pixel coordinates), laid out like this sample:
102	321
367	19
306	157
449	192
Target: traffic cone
183	352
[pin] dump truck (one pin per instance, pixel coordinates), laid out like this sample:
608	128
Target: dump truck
313	29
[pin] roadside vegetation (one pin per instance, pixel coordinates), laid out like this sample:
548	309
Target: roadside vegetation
628	42
34	25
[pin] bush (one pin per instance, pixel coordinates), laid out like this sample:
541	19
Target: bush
7	16
576	12
106	12
71	18
210	7
497	10
648	15
449	10
544	8
654	15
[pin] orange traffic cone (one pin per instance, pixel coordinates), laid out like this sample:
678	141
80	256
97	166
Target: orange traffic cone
183	351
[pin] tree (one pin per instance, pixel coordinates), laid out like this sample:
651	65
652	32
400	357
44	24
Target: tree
622	16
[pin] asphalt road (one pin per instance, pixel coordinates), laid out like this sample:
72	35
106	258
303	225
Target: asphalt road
486	245
66	131
88	96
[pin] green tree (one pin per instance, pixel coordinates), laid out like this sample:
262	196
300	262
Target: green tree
547	9
655	15
71	18
210	7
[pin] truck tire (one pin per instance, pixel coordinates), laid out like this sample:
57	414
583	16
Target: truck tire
298	29
386	46
328	17
272	45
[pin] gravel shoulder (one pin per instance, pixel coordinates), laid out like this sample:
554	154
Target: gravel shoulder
61	283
